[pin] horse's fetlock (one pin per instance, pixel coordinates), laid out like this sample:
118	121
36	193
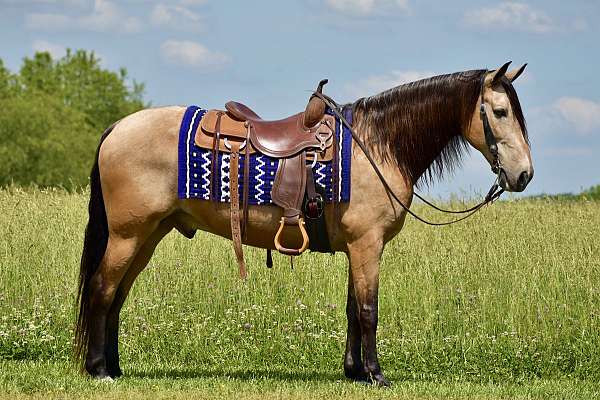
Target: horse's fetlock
96	367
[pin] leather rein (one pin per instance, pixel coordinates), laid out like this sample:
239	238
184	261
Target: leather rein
494	193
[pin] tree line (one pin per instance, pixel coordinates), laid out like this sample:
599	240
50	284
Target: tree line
52	113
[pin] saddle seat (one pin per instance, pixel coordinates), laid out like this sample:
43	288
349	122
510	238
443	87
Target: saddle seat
285	137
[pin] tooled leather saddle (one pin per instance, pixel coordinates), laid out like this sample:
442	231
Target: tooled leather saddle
297	141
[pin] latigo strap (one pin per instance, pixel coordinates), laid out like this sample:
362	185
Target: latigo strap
236	235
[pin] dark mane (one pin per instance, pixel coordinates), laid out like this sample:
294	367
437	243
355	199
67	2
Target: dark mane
419	125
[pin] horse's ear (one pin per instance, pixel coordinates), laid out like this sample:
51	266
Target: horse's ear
494	76
514	74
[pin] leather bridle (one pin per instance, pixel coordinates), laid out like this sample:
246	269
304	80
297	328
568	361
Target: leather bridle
490	139
494	193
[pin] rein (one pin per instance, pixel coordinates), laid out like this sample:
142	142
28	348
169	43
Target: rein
493	194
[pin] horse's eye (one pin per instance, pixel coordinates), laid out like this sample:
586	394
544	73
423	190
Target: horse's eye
500	113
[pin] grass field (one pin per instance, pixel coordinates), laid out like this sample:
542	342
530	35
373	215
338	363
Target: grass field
504	305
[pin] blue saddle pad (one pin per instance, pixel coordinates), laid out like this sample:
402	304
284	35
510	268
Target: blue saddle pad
195	164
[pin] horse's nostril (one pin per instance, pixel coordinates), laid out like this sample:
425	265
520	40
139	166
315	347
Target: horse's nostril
530	175
524	179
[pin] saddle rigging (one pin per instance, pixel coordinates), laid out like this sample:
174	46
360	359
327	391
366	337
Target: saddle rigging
298	142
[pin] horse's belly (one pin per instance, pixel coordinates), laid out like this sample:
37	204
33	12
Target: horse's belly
263	223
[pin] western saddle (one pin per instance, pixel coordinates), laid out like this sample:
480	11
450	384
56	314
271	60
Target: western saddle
298	142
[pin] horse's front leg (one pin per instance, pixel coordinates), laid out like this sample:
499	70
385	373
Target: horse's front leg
364	255
353	366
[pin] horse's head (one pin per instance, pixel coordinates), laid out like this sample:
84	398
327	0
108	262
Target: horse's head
506	147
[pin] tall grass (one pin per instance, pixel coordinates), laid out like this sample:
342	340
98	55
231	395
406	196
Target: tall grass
510	294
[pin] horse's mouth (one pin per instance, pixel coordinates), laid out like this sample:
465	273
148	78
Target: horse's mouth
518	186
503	181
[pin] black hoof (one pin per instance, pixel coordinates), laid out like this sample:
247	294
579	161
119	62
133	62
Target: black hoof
379	380
115	372
97	370
100	374
357	375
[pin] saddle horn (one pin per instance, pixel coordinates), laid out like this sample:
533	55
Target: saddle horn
315	109
321	84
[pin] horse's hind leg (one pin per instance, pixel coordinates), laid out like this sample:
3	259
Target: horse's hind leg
353	366
112	321
119	254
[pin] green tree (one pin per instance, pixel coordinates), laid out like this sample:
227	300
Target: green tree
82	84
44	142
52	114
5	81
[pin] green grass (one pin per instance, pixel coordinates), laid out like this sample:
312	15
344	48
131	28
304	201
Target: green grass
506	304
46	380
591	193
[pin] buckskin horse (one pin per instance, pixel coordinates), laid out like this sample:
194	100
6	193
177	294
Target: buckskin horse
402	136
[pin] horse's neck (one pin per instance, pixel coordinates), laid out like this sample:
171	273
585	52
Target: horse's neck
434	143
416	152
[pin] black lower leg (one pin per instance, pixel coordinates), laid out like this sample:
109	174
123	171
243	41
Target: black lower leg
112	337
353	366
95	362
368	321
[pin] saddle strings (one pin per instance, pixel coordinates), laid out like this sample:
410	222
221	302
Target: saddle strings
492	195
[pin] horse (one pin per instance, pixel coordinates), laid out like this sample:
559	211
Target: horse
414	132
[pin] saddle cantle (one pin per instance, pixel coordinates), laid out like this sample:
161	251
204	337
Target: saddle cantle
296	140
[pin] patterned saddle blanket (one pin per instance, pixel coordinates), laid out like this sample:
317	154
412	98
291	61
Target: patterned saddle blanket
195	168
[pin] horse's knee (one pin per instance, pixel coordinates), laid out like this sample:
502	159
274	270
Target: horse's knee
368	317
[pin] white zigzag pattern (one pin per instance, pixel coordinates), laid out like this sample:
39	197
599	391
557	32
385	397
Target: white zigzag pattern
320	174
225	174
259	175
206	175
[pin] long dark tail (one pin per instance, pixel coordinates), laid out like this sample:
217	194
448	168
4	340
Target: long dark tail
94	246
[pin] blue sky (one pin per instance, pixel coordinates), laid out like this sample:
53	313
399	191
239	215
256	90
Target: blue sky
271	53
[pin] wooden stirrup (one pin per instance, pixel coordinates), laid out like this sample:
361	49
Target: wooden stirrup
291	252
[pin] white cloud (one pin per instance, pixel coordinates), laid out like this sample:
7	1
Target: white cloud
193	2
192	54
510	16
106	16
175	16
37	2
582	114
378	83
47	22
56	50
365	7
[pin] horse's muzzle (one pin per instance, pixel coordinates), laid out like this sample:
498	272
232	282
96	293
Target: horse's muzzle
518	185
